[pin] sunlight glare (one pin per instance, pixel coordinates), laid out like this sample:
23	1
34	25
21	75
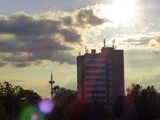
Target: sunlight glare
121	12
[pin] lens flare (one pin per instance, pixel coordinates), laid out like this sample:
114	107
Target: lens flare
46	106
34	117
31	113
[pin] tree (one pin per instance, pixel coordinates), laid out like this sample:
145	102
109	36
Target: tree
68	107
143	101
81	110
120	108
133	92
62	99
30	96
146	104
57	90
3	114
12	99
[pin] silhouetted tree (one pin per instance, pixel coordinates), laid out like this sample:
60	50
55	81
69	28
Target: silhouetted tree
3	114
12	99
146	104
57	90
68	107
143	101
63	99
120	108
30	96
81	110
77	110
133	93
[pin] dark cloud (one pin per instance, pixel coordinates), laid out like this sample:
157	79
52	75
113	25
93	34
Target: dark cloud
67	20
158	39
87	16
70	35
25	50
22	64
47	36
37	58
31	44
22	24
2	64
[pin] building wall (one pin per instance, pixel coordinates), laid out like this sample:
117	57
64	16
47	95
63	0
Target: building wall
100	75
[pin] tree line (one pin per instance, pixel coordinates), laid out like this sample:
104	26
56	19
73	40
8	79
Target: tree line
138	104
13	99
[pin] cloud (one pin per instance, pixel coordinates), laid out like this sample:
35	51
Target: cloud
21	23
67	20
70	35
27	39
86	16
151	43
142	41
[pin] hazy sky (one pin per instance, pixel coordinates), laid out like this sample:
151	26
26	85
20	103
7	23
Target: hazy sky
40	36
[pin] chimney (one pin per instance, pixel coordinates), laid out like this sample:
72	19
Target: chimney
93	51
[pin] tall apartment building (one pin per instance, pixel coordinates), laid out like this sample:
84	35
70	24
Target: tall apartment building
100	76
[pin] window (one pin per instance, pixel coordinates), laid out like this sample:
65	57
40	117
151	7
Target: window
110	84
110	90
95	68
96	73
99	86
110	60
102	68
110	100
95	61
110	66
101	80
96	92
110	95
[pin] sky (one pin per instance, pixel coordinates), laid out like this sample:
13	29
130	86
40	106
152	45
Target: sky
40	36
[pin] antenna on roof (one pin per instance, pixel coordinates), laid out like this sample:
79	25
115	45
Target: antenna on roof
86	50
104	42
113	43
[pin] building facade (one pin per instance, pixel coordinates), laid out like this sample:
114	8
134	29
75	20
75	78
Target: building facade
100	76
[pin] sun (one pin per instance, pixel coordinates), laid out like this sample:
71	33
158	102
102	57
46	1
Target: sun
121	11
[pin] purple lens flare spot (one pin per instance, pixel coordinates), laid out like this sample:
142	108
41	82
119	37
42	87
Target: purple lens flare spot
46	105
